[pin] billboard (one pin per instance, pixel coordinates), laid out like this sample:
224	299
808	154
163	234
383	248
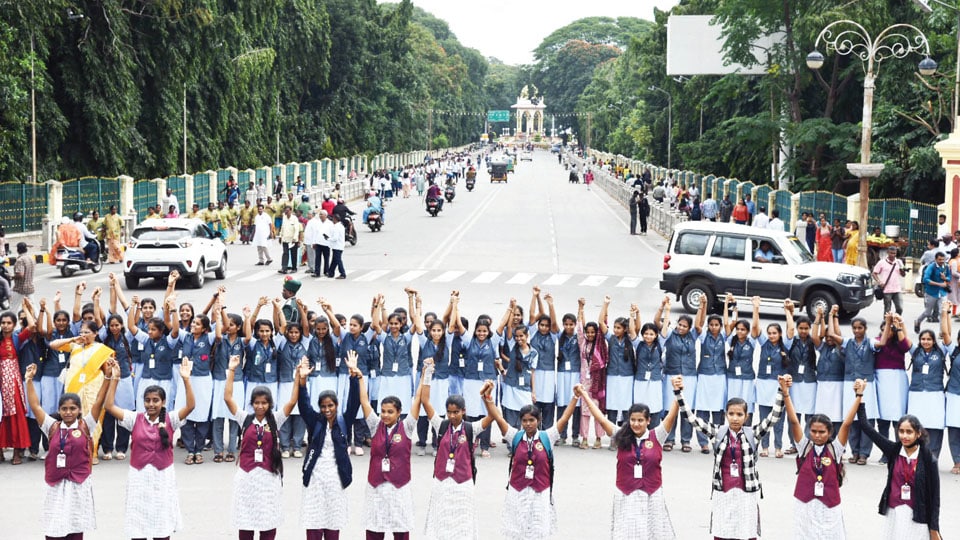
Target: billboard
695	47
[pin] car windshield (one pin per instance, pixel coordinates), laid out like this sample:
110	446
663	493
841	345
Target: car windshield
801	250
160	235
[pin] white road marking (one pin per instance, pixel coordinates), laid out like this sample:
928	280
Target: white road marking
520	278
593	281
557	279
448	276
409	276
444	247
629	282
263	274
372	275
486	277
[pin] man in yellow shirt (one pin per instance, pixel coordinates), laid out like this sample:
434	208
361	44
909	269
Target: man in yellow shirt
247	213
112	233
290	233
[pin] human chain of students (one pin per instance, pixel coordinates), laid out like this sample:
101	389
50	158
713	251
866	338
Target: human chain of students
97	380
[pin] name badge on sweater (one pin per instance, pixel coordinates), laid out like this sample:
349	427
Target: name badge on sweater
925	369
566	365
385	465
451	464
800	369
462	364
734	470
818	489
520	381
153	362
480	366
737	371
528	474
396	367
638	471
62	357
905	492
62	461
258	455
266	368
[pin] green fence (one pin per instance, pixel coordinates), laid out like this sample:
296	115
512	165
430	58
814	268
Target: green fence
23	206
201	191
144	195
917	231
781	203
90	193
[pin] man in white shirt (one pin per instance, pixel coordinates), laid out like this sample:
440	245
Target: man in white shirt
88	240
761	220
311	235
290	235
776	223
170	200
943	228
337	242
693	192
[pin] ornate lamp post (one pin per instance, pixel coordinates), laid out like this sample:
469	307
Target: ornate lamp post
849	38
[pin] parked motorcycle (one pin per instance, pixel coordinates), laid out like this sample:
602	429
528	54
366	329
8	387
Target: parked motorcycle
374	221
72	260
433	207
449	193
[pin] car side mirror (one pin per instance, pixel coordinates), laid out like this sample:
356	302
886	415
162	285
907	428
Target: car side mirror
777	259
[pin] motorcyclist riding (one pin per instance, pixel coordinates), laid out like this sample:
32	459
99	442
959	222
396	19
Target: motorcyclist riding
374	204
88	240
434	192
341	210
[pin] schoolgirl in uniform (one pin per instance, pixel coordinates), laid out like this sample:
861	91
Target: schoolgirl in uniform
858	363
543	331
593	374
389	498
639	507
774	362
358	340
711	393
568	374
434	351
648	375
152	505
621	347
519	366
198	347
262	362
952	416
829	401
293	345
528	509
816	496
452	512
114	439
396	370
479	353
324	356
68	508
740	352
911	496
158	353
891	372
735	511
680	358
928	362
327	471
803	369
230	344
49	384
258	479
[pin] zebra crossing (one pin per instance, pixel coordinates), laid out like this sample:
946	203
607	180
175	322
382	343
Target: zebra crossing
371	275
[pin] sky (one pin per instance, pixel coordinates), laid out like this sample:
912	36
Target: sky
510	29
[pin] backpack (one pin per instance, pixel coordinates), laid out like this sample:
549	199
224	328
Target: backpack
837	462
545	441
468	431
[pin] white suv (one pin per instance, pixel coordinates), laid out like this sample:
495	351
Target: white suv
710	259
160	246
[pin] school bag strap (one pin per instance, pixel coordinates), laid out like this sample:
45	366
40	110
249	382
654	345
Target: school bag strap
545	441
468	432
837	462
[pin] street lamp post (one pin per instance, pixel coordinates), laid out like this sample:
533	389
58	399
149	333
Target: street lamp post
669	119
849	38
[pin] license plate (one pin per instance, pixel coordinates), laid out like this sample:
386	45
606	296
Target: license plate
867	293
158	269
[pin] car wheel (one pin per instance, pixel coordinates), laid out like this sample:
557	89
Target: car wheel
221	271
197	280
131	282
693	292
67	271
820	299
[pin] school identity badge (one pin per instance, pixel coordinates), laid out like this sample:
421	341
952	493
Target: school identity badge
826	461
648	445
462	439
539	446
397	438
76	434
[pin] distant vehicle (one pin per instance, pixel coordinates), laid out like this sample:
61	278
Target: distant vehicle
555	148
526	156
498	171
160	246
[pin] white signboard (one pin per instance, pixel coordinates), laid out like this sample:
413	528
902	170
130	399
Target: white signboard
694	47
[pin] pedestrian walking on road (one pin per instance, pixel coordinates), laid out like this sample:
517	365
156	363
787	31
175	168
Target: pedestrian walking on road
262	232
291	233
890	272
337	243
634	206
23	269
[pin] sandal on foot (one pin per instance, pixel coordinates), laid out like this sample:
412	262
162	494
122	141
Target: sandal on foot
484	454
229	458
764	453
189	460
597	444
686	449
120	456
790	451
955	469
853	459
779	454
218	458
704	450
198	459
862	461
584	445
667	447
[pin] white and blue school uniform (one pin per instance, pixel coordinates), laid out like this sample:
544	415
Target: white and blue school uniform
517	386
323	377
711	393
260	368
740	373
926	400
289	355
568	367
803	362
679	358
457	364
952	395
221	360
198	350
361	344
619	373
859	363
136	352
830	368
124	345
478	367
158	357
545	381
396	377
50	387
648	379
770	367
440	383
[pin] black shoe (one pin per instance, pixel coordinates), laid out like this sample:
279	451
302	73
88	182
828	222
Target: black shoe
281	271
259	264
916	327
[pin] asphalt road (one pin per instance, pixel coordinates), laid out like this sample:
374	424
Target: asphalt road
491	244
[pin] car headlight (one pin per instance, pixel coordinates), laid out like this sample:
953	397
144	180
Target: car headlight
848	279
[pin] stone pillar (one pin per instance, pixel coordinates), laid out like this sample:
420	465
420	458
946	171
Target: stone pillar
54	212
214	182
795	210
190	195
853	207
949	150
126	194
161	188
268	172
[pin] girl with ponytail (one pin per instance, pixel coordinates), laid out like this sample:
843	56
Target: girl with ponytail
151	482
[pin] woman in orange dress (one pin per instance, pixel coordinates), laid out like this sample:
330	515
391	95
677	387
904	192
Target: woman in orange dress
823	240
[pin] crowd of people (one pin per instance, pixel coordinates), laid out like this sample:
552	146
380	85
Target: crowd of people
260	383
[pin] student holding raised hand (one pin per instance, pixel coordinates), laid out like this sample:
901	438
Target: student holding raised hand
68	509
711	371
639	507
735	510
680	358
928	363
741	348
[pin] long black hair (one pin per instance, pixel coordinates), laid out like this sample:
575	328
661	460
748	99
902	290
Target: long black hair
517	353
629	353
326	344
441	346
811	358
276	459
162	418
624	437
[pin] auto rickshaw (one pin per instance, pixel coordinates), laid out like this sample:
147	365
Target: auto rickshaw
509	164
498	171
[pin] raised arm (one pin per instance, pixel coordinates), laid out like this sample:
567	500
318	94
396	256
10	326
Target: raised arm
567	414
554	323
456	325
536	305
185	368
599	415
701	315
32	399
170	311
424	395
97	310
44	328
78	299
633	324
783	397
602	318
376	313
833	328
108	402
331	316
279	316
505	321
354	372
729	315
945	323
796	431
844	432
494	412
299	376
701	425
415	404
788	308
110	371
663	317
171	285
133	316
755	324
232	366
213	299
